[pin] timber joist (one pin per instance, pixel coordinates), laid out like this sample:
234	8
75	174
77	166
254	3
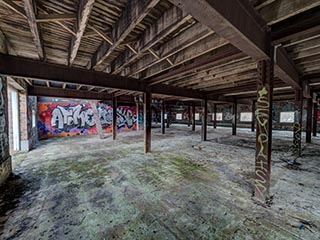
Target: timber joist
189	47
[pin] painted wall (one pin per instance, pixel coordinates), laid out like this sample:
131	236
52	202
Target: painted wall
62	117
5	159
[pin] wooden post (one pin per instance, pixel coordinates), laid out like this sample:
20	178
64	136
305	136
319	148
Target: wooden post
264	130
193	117
163	125
97	118
315	118
114	117
137	112
204	120
309	120
189	116
253	121
147	98
215	116
297	126
234	118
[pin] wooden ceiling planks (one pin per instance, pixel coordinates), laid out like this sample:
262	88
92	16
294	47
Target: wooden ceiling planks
187	44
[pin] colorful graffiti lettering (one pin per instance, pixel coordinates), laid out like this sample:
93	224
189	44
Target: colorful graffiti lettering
61	119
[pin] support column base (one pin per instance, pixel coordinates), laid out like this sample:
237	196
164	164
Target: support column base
5	170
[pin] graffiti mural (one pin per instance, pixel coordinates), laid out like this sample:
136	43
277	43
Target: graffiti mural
69	119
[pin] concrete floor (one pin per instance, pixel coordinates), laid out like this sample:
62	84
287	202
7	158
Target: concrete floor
87	188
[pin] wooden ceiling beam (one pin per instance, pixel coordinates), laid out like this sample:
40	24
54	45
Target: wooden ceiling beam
83	14
221	55
31	11
230	20
285	69
41	18
170	20
66	93
180	42
39	70
134	13
10	4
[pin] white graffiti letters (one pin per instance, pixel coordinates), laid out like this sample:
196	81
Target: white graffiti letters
79	116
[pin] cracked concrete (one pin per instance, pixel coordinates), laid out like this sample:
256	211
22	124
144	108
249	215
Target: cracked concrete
87	188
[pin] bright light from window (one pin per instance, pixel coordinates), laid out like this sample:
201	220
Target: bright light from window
287	117
179	116
246	117
197	116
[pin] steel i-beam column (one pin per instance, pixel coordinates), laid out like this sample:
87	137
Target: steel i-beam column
263	116
163	124
189	116
137	114
168	116
234	118
193	117
114	117
315	111
215	116
253	121
147	97
297	125
309	120
204	120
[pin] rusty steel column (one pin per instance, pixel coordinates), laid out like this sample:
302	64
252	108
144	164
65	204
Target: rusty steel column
315	118
114	117
309	120
168	116
215	116
137	114
189	116
193	117
234	118
204	120
297	126
163	124
147	99
253	120
263	115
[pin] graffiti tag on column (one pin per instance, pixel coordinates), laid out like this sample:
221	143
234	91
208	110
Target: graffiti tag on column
296	138
262	116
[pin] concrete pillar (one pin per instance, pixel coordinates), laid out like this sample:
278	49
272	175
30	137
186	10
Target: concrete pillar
253	121
114	117
204	120
163	124
215	116
309	120
5	158
234	118
193	117
297	126
264	130
147	97
315	111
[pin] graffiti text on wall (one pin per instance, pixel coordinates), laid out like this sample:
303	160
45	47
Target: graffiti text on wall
60	119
